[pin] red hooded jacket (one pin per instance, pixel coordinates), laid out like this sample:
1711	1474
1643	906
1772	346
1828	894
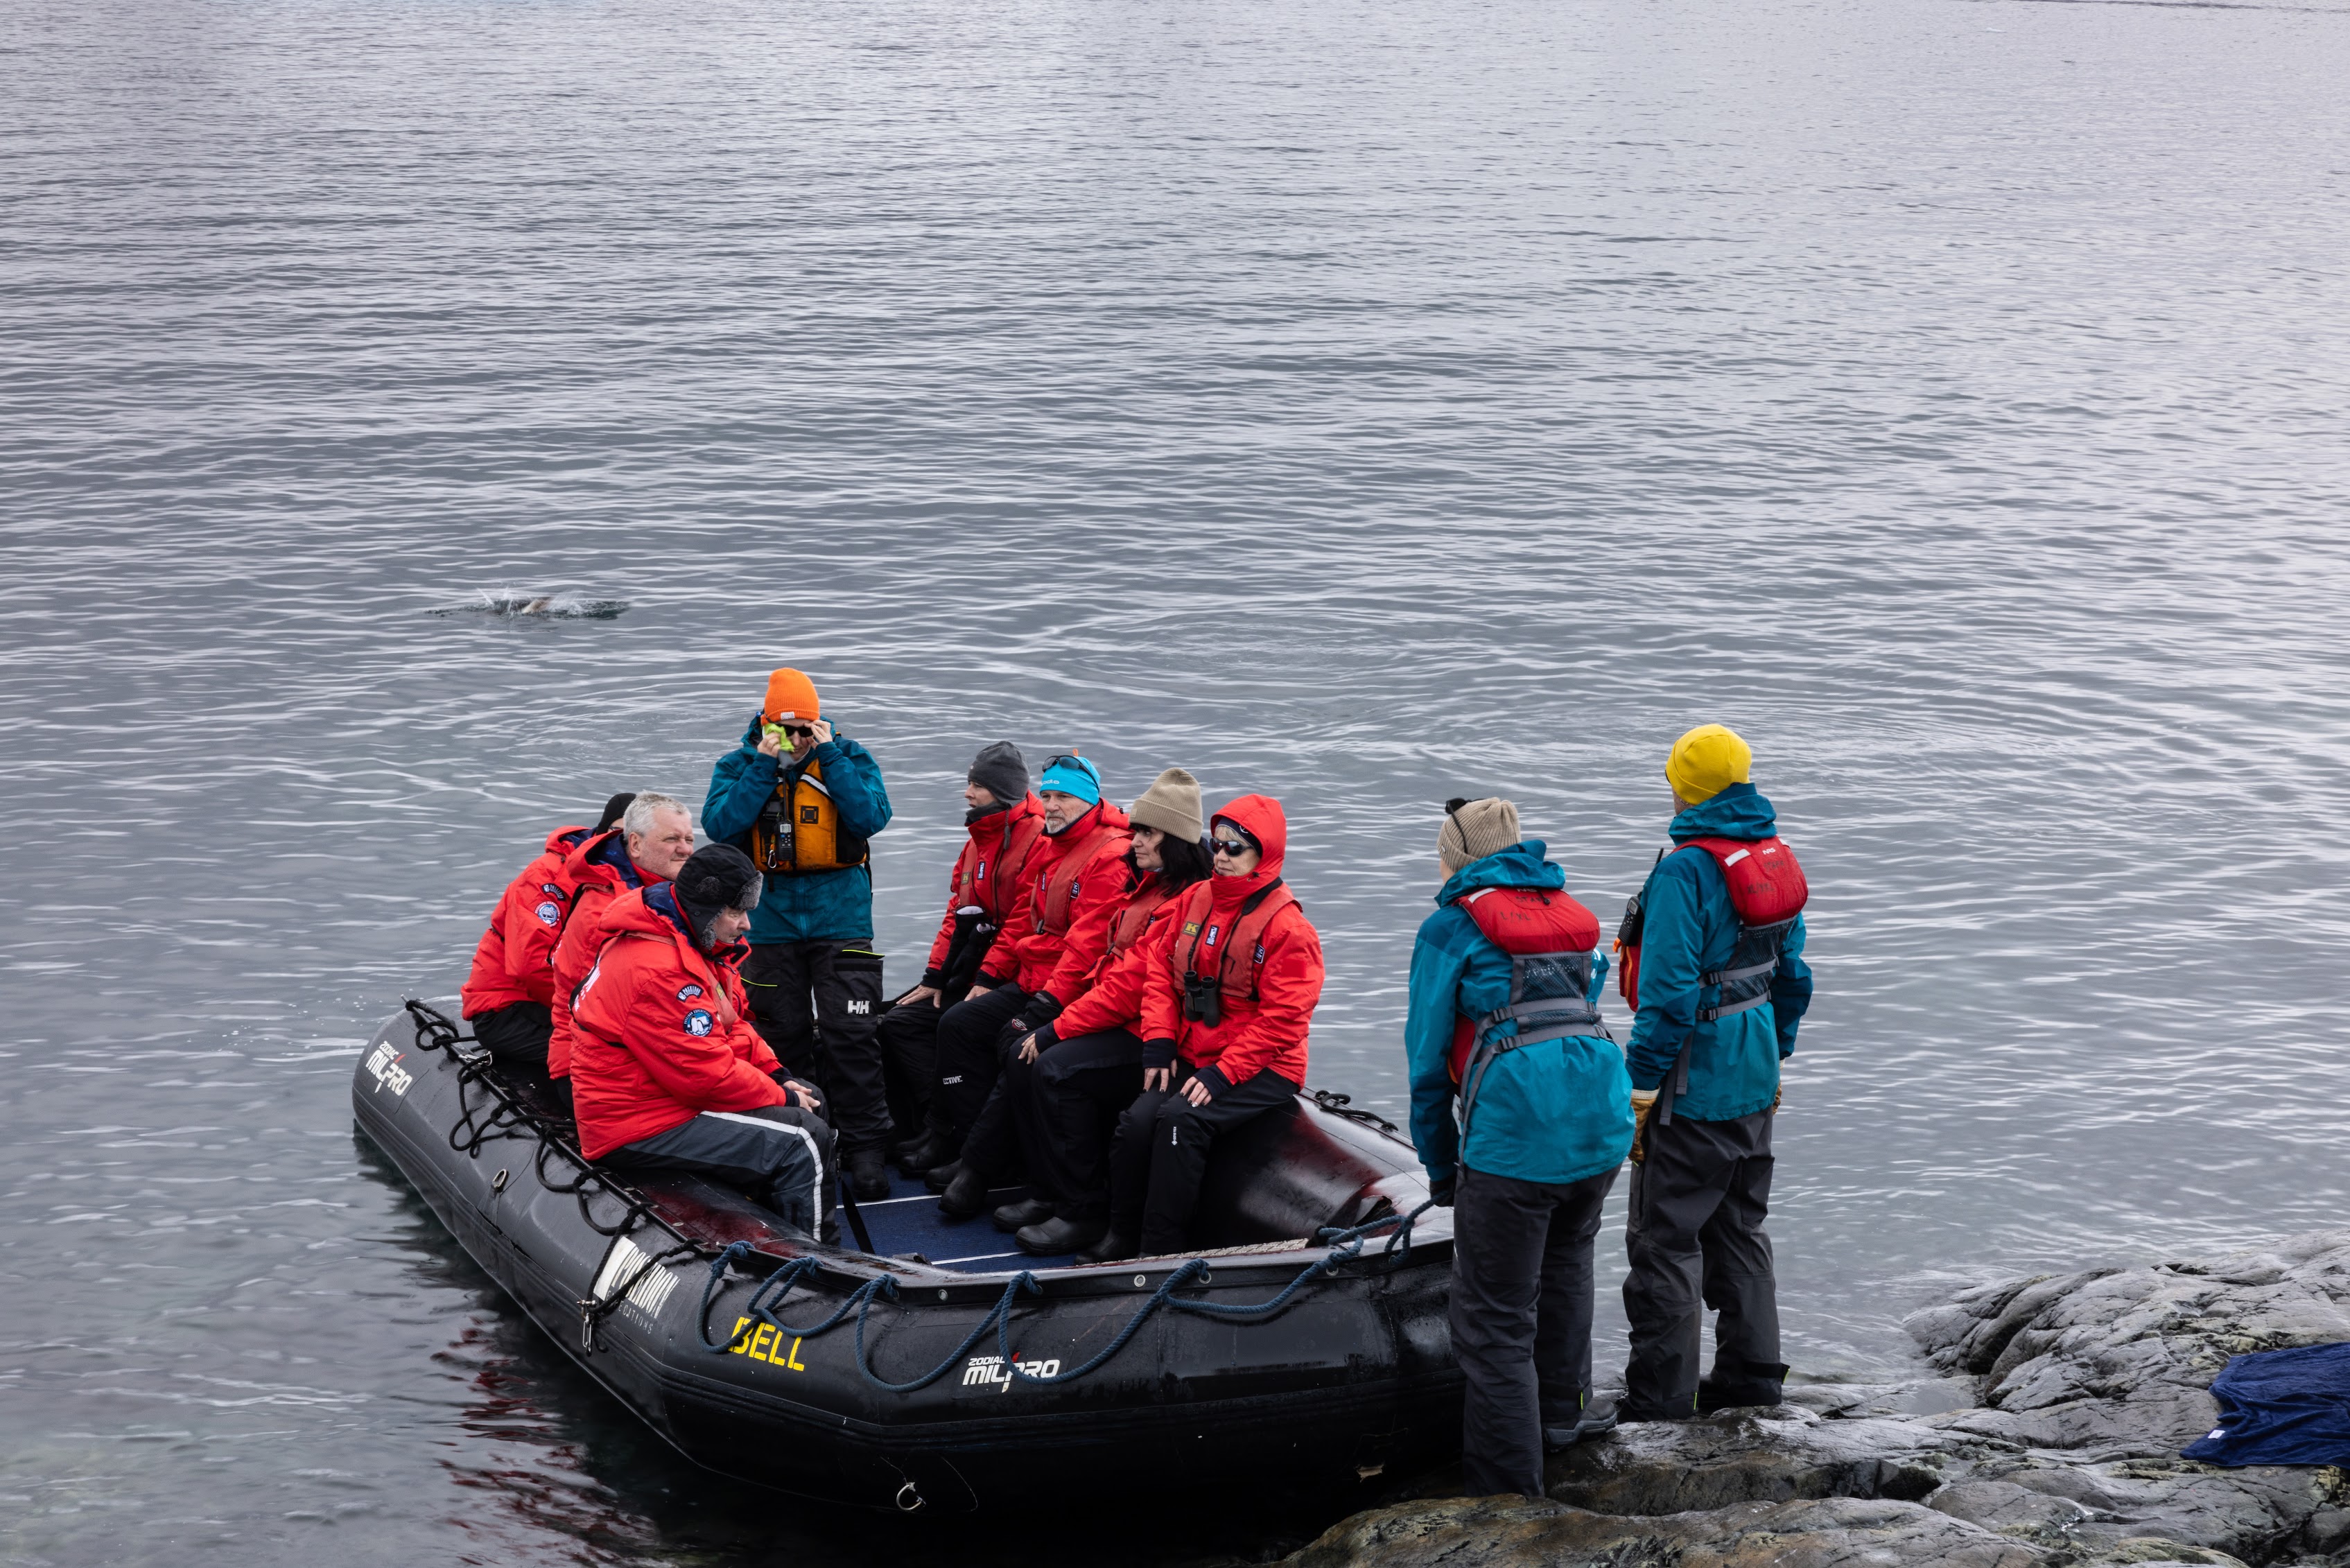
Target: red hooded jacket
661	1032
601	872
990	872
1271	975
512	962
1112	998
1075	882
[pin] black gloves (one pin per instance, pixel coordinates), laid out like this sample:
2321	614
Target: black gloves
1443	1191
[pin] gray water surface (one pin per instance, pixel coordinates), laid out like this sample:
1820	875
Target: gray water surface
1355	402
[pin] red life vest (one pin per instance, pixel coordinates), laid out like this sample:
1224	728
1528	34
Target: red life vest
1549	938
1056	884
1219	940
1767	889
1134	919
974	885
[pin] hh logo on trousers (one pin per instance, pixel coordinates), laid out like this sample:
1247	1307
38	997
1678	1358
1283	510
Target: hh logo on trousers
860	1008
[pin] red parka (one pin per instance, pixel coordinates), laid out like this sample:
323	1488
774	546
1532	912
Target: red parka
514	960
1112	997
601	871
990	872
1269	959
1076	879
661	1032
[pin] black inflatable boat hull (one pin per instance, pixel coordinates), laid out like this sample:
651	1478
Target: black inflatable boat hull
1354	1378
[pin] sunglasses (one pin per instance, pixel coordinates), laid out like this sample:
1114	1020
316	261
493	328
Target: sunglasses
1235	848
797	732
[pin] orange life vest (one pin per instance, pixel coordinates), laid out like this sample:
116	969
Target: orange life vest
798	832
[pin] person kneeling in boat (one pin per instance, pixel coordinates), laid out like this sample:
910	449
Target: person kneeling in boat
510	992
1004	822
1059	927
1069	1080
1503	1018
1225	1014
668	1073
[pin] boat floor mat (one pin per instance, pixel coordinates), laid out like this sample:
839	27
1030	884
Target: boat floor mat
909	1221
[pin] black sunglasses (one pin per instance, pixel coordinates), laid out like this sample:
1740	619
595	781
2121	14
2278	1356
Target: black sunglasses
1232	847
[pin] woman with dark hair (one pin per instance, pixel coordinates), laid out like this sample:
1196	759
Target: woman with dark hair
1076	1073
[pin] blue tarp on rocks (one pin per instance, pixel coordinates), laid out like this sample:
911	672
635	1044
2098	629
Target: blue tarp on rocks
2282	1407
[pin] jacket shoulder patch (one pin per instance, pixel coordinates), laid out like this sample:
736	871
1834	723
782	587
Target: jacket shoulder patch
697	1022
549	913
688	992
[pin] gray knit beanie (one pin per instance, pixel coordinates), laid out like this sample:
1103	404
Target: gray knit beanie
1001	772
1171	804
1473	830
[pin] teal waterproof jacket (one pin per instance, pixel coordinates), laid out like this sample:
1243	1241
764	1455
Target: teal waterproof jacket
1556	1111
823	906
1689	928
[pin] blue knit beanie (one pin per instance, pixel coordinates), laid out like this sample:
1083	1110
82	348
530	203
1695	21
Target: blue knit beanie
1071	775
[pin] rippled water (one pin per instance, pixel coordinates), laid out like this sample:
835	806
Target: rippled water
1363	402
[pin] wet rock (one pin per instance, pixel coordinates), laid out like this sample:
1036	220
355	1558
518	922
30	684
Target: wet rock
2050	1441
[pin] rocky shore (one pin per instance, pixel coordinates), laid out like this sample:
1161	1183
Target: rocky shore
2051	1438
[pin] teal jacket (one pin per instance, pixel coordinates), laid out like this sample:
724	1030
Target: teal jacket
1556	1111
823	906
1688	930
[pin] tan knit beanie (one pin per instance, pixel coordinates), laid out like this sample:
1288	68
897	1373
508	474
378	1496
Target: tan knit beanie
1171	804
1473	830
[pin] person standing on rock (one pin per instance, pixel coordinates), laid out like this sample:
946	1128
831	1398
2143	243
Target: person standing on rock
1502	1021
1713	964
802	802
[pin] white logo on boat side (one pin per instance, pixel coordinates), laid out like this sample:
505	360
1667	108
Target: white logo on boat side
389	1072
626	1262
982	1370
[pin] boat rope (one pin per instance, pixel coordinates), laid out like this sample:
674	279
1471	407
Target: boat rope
1345	1247
592	1311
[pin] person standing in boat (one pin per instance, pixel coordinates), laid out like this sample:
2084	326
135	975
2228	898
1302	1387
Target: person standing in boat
509	993
1503	1023
1059	928
653	838
668	1073
1004	821
1067	1080
1225	1014
1713	965
803	803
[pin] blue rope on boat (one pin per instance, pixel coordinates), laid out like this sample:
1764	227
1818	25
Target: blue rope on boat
1345	1246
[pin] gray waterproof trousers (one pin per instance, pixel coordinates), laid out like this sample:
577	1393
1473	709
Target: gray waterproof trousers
779	1155
1694	1235
1521	1319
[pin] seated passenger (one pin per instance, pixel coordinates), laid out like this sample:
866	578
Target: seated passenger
1068	1081
509	993
655	836
1225	1008
1060	927
667	1071
1006	822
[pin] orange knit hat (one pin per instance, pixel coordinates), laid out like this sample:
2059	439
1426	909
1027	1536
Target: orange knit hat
790	694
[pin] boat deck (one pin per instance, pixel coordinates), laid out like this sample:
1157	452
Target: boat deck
908	1223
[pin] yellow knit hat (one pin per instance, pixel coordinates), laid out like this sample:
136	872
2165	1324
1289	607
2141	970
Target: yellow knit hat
1707	761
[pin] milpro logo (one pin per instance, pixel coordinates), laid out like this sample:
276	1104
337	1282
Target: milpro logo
389	1072
980	1371
860	1008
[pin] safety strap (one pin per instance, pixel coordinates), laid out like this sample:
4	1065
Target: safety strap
1559	1024
1675	1086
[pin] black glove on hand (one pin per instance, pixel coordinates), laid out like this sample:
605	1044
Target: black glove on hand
1443	1191
1042	1008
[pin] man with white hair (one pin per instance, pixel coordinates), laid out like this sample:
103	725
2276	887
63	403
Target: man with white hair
653	839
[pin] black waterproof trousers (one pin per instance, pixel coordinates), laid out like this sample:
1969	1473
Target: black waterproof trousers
1521	1319
779	1155
1694	1236
517	1032
1075	1095
909	1037
970	1057
817	1004
1161	1152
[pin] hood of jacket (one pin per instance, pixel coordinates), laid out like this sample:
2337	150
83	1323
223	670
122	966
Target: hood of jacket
1261	817
652	911
1739	812
603	860
563	840
1521	864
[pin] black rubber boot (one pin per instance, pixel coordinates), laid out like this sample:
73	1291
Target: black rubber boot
1021	1215
1111	1249
1598	1416
965	1196
940	1176
923	1154
1726	1388
1053	1237
868	1177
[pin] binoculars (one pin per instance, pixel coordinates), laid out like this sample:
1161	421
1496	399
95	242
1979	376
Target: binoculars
1203	999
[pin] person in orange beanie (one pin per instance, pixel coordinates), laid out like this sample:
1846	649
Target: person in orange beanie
803	803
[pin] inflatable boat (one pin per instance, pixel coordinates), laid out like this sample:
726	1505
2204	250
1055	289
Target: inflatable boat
925	1366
